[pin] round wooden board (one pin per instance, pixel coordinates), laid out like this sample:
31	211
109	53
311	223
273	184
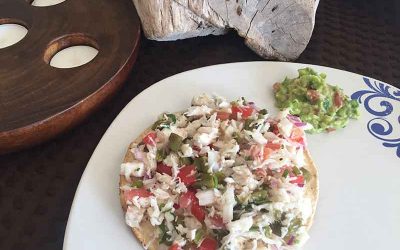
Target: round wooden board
38	101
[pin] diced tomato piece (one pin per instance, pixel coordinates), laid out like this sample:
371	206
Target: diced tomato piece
197	211
337	100
164	169
217	221
269	148
187	174
141	192
313	95
208	244
267	153
297	135
299	181
245	111
150	139
273	146
175	247
223	115
187	199
299	140
275	128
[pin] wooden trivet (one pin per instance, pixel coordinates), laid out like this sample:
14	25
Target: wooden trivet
37	101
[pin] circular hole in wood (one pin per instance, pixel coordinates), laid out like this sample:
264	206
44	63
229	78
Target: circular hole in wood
44	3
71	51
11	32
74	56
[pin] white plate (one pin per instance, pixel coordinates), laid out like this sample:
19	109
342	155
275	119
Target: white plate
359	205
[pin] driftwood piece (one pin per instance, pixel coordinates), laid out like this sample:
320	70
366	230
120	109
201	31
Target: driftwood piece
166	20
279	29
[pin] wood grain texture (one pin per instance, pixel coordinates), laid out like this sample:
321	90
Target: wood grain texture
37	101
167	20
274	29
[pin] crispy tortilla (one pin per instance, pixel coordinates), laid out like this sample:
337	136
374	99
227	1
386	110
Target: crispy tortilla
146	234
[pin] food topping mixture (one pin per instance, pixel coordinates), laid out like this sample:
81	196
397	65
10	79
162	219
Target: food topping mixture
323	106
221	175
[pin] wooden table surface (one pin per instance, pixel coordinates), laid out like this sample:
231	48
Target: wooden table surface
37	185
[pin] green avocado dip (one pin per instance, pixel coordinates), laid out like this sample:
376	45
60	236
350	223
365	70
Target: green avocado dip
308	96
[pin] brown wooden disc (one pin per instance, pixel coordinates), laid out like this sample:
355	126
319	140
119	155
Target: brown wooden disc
38	101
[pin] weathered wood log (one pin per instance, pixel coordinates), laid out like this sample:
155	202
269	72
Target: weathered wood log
166	20
278	29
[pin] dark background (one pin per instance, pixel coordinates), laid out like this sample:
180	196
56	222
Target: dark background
37	185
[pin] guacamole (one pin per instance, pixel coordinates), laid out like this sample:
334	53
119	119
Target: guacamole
323	106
